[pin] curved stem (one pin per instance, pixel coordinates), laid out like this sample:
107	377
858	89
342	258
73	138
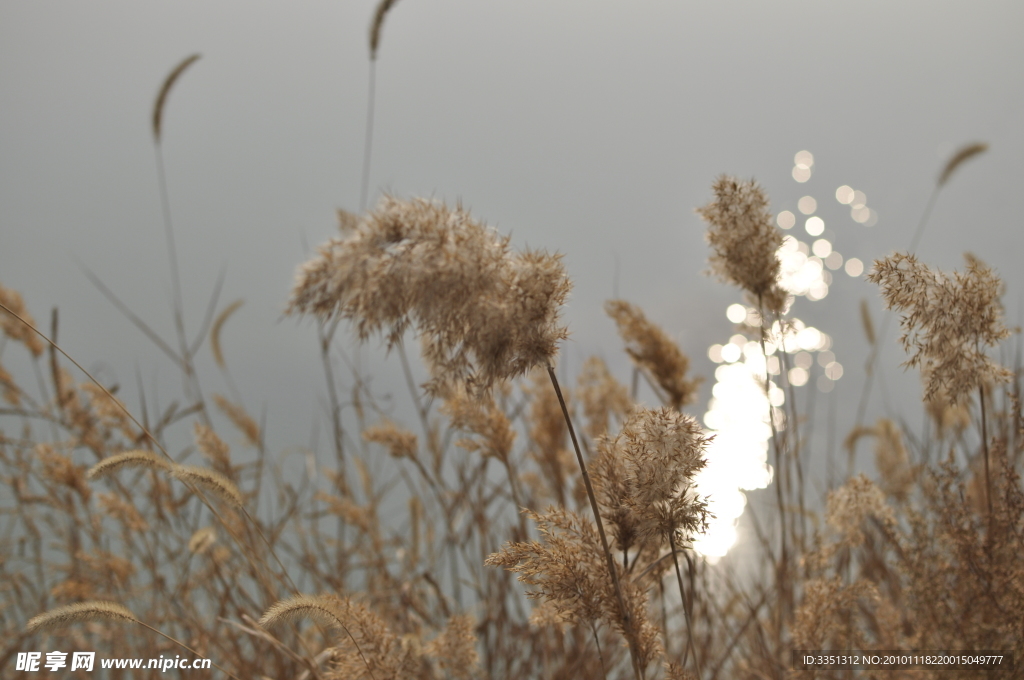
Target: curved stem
627	623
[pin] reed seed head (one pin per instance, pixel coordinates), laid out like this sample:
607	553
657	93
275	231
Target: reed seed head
483	313
744	240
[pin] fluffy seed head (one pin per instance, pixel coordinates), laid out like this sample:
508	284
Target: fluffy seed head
78	612
483	312
744	241
949	321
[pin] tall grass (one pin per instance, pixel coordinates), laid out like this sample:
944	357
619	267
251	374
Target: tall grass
520	527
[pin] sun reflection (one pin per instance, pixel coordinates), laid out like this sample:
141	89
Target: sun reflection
790	356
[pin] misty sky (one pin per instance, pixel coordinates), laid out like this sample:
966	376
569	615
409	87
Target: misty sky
589	128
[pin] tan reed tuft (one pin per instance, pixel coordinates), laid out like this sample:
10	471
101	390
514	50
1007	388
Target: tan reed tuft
378	24
744	240
165	90
483	313
399	442
948	321
211	480
654	352
77	613
962	155
128	459
19	331
240	418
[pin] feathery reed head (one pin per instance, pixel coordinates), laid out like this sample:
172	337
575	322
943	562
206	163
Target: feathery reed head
128	459
78	612
744	240
211	480
378	24
948	321
483	313
165	90
19	330
653	351
963	154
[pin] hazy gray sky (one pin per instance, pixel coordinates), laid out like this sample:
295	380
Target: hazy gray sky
591	128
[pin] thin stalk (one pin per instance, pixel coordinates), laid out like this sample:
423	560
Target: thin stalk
686	608
368	140
984	448
781	566
610	561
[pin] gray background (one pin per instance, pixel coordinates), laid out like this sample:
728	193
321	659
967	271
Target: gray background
589	128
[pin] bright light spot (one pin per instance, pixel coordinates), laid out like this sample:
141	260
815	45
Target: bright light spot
736	313
715	353
801	174
817	291
822	248
730	353
861	214
798	376
854	267
825	358
824	384
844	194
808	339
872	220
859	199
803	159
738	416
834	371
834	260
803	360
807	205
814	226
826	342
773	365
776	396
785	219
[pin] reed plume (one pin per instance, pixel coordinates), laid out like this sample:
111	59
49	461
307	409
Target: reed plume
744	240
482	312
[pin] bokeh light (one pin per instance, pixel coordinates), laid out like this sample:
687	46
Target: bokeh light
803	159
822	248
844	194
736	313
854	267
807	205
814	226
801	174
785	220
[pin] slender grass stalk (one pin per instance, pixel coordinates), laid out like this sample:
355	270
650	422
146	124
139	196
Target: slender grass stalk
610	561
